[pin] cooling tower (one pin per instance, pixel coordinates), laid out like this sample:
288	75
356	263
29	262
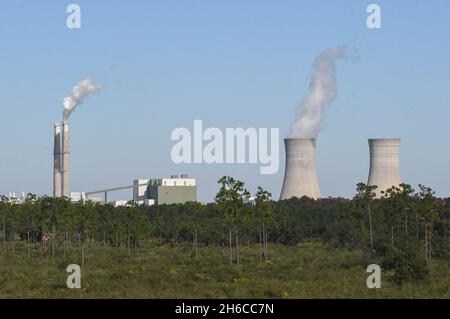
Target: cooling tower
384	163
57	160
65	189
300	177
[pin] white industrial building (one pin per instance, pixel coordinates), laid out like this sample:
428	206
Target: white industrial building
148	192
12	198
176	189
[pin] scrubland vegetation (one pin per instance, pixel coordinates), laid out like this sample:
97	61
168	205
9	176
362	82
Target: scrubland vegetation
297	248
308	270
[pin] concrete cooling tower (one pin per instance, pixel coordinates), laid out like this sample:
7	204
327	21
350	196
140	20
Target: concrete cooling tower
384	163
300	177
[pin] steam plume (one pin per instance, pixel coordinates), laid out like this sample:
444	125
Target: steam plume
322	91
79	93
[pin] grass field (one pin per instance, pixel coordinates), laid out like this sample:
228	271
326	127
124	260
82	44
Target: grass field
161	271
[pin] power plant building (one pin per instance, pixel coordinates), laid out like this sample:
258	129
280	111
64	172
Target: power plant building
173	190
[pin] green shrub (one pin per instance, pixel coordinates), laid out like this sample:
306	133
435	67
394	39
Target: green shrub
407	264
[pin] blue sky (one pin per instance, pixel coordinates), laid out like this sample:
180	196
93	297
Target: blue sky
164	64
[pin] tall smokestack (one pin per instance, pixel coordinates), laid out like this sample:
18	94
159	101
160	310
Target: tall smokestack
384	163
57	160
65	189
300	177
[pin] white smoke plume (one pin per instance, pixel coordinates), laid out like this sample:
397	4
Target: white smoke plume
322	92
79	93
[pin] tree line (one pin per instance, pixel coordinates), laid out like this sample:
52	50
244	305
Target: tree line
405	229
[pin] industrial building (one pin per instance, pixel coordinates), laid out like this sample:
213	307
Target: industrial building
173	190
145	191
83	197
12	198
148	192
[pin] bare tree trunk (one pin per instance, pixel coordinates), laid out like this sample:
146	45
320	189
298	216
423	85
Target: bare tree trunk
44	242
33	239
430	238
196	245
13	243
260	244
426	243
406	224
193	243
53	239
237	245
370	229
82	253
265	244
223	247
129	242
4	236
28	241
64	245
392	234
264	239
65	240
363	238
231	250
417	226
